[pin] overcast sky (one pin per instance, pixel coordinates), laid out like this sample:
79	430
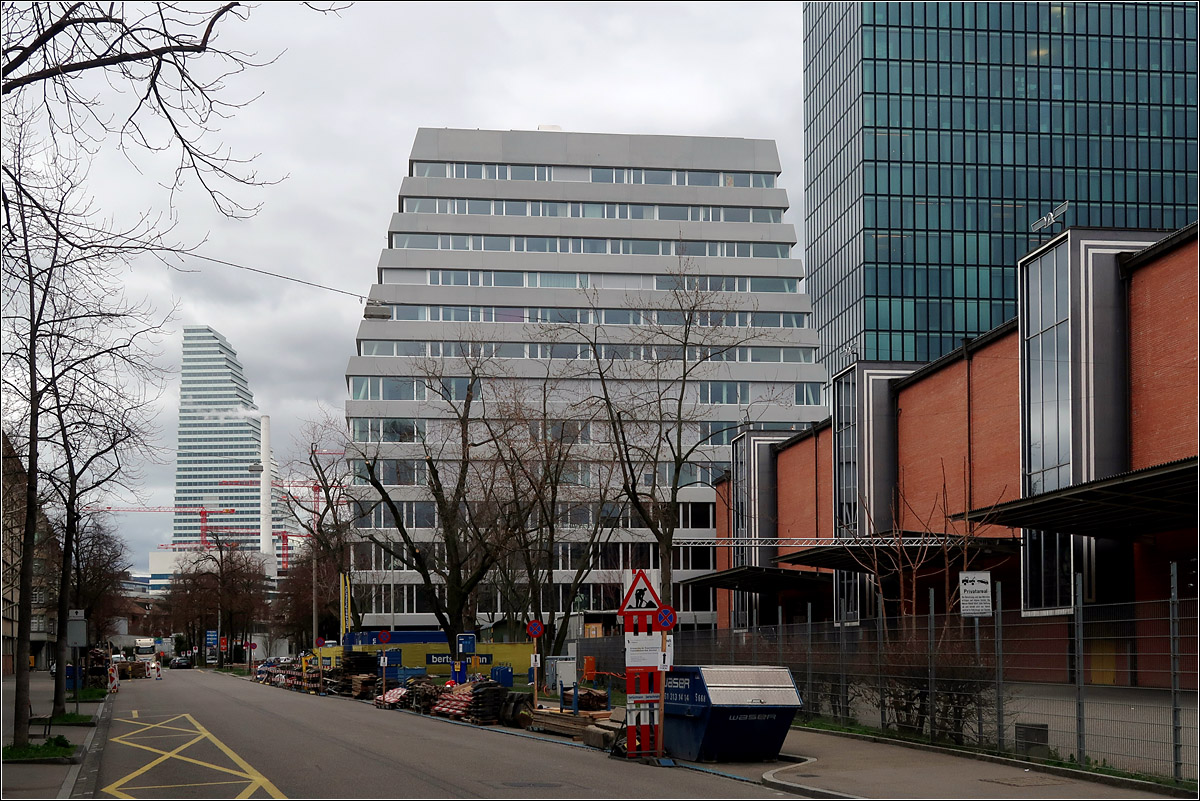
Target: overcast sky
337	114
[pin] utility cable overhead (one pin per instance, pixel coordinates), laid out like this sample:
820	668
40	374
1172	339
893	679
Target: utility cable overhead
277	275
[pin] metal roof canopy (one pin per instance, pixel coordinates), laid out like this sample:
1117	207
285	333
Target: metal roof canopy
1159	498
872	554
750	578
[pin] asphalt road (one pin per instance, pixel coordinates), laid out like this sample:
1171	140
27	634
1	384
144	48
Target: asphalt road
198	734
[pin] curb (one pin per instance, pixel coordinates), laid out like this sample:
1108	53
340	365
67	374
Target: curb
769	779
80	781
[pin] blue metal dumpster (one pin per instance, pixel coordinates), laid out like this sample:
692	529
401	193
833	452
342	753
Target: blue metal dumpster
735	713
72	681
503	675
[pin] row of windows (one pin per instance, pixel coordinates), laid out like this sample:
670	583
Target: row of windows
945	150
972	82
398	388
607	211
388	599
624	247
992	47
923	280
561	280
595	175
1028	119
579	316
572	350
920	314
1129	19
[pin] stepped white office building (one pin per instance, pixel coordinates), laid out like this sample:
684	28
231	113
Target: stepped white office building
513	241
219	438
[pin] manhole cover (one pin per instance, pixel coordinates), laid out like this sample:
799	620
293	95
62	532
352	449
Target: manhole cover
1027	781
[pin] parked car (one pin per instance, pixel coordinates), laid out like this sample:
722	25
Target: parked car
180	662
118	658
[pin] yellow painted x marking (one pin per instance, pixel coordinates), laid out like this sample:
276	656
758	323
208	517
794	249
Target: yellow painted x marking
198	734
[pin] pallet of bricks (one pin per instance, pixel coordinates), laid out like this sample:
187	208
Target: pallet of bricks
478	702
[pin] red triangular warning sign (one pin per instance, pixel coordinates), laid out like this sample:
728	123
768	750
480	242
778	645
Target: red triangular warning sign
641	596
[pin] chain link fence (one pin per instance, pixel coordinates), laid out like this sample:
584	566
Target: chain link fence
1107	686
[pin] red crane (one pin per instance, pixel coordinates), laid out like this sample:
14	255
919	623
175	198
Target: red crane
200	510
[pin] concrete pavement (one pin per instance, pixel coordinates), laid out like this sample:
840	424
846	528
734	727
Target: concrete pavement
22	780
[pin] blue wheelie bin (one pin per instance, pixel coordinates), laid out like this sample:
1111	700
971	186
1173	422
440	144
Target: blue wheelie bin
735	713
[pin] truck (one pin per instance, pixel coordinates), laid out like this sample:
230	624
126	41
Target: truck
143	649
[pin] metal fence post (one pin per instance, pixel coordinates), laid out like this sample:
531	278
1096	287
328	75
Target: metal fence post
978	694
932	702
842	692
999	624
879	665
1080	739
1176	722
779	634
808	657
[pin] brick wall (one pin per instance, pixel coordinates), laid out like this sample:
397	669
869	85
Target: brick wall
1162	358
932	433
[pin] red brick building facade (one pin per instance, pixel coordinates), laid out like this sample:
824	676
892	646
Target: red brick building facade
1009	433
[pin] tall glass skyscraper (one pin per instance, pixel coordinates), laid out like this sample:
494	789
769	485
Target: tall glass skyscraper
219	438
936	134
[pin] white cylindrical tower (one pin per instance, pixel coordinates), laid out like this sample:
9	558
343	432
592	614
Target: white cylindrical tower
266	544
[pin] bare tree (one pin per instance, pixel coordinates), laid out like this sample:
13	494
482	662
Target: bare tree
653	386
475	509
236	578
544	445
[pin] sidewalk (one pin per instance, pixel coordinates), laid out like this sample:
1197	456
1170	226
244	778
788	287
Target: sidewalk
836	766
41	781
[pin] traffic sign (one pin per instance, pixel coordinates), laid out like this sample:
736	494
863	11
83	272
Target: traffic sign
665	618
641	597
253	646
385	636
535	629
320	642
383	661
224	643
210	638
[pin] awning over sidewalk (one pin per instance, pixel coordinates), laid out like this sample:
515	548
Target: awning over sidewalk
885	555
768	580
1159	498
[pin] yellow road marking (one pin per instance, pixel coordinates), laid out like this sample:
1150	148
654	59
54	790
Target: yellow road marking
168	786
254	779
135	714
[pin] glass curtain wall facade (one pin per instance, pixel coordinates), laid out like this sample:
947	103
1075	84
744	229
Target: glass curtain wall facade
936	134
218	439
505	246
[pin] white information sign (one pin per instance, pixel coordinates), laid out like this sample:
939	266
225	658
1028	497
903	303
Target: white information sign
645	650
535	660
975	593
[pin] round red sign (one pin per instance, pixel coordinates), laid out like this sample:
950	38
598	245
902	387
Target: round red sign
535	629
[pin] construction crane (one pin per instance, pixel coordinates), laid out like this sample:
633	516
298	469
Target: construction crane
200	510
284	535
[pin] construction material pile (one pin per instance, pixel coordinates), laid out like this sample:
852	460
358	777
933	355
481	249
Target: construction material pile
478	702
420	694
589	700
391	698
